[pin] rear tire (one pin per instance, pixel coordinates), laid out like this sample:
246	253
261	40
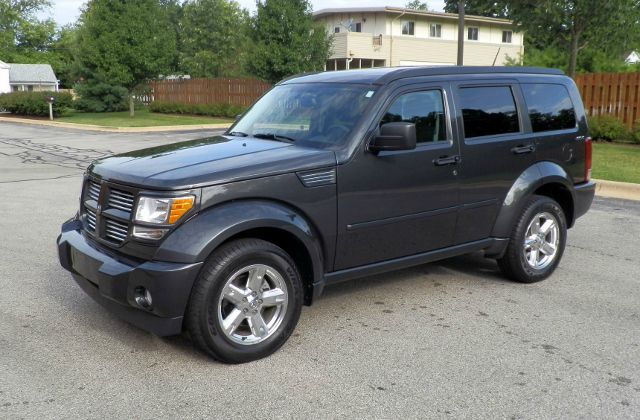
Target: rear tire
537	242
246	301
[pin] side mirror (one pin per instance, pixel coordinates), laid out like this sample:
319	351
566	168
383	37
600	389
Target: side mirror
394	136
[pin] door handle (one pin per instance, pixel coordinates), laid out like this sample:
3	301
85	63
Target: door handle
523	149
446	160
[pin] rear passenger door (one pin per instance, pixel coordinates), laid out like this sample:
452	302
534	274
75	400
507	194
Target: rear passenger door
496	147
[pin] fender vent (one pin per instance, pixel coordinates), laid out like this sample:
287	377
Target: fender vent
318	177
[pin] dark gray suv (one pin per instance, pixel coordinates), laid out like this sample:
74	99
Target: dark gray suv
329	177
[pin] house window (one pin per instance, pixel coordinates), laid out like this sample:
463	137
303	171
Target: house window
435	30
408	28
357	27
506	37
336	30
472	34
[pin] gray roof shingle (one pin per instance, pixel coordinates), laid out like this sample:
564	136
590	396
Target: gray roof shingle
31	73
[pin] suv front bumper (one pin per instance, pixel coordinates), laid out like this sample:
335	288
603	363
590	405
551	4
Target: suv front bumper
112	280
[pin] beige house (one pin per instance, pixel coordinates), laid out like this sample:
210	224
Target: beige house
391	36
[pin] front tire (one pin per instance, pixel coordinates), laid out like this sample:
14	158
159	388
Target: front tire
246	301
537	242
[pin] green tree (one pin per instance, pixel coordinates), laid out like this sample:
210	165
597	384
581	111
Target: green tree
173	10
488	8
23	37
286	40
590	60
417	5
61	55
212	38
573	25
124	43
580	31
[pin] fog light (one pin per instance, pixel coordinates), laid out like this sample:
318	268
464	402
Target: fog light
142	297
148	233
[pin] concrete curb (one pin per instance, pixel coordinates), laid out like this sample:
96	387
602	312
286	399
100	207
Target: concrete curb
88	127
624	190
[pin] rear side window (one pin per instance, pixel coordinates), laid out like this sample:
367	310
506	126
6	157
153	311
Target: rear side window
488	111
425	109
550	107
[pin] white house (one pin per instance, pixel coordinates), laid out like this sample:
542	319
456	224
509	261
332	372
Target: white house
4	78
27	77
392	36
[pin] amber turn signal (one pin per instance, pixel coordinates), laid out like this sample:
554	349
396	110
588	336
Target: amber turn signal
179	206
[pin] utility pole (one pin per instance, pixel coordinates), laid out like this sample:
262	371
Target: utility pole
460	32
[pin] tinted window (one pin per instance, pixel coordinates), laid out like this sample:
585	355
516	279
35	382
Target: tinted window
550	107
425	110
488	111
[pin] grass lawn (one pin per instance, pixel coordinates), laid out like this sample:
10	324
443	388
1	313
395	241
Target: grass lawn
616	162
143	118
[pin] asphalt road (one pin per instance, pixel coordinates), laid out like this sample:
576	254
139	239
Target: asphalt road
449	339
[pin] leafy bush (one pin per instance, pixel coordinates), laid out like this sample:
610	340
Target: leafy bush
213	110
35	103
95	96
608	128
635	133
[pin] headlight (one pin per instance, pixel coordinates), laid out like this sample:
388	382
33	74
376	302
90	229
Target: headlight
162	210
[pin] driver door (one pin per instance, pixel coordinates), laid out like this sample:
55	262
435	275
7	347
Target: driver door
400	203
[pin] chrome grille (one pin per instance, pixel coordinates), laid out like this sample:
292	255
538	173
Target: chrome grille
107	211
121	200
93	190
91	220
116	231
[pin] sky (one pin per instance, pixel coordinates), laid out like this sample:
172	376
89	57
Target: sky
67	11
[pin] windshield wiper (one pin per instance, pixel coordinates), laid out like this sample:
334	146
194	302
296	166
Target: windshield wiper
273	136
238	134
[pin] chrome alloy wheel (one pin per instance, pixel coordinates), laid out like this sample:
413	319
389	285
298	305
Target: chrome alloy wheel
541	240
253	304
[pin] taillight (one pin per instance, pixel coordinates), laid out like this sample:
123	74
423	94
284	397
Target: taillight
588	158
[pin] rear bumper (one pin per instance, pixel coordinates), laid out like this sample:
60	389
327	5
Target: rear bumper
583	198
112	279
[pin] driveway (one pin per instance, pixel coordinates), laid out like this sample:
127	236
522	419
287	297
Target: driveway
449	339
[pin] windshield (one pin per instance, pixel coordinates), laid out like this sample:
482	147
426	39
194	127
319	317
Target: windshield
311	114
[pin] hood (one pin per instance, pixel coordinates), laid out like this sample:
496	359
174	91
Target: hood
207	161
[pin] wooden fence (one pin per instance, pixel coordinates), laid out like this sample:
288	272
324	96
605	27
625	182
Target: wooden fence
616	94
209	91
